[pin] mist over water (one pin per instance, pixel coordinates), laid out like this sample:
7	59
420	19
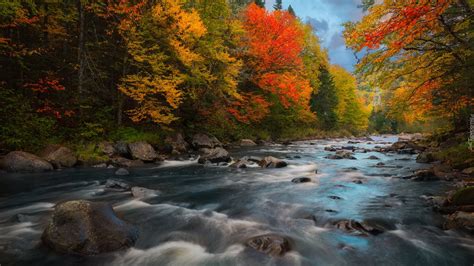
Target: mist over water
204	214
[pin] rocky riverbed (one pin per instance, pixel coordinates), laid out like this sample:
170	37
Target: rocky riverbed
315	202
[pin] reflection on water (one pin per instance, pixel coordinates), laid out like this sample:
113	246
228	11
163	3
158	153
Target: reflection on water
205	213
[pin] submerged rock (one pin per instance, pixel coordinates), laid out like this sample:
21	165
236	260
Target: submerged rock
216	155
142	151
122	171
359	228
87	228
142	193
301	180
19	161
272	162
373	157
273	245
342	154
117	185
59	156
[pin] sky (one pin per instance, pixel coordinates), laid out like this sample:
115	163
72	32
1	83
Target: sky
327	17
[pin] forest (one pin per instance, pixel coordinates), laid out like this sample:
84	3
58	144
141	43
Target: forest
82	71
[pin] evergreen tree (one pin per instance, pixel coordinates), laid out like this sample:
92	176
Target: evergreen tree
325	101
278	5
291	11
260	3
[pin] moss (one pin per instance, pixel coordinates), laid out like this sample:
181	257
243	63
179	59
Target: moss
129	135
464	196
90	154
456	156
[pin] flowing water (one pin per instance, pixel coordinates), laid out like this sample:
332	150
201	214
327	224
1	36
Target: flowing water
205	213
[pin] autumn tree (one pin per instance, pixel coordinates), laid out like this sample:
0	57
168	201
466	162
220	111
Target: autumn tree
162	46
423	51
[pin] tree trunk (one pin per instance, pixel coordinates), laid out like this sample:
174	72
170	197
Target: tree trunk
80	55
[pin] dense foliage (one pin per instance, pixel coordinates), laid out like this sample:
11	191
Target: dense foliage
86	70
421	54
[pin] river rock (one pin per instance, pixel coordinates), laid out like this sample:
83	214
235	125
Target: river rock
359	228
342	154
107	148
273	245
19	161
216	155
59	156
424	175
117	185
142	151
124	162
142	193
272	162
122	171
247	143
460	220
301	180
121	149
443	171
373	157
425	157
330	148
464	196
468	171
205	141
87	228
177	144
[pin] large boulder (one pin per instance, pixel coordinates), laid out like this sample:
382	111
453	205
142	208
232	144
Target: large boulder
177	144
247	143
201	141
19	161
272	162
142	150
273	245
216	155
59	156
460	220
87	228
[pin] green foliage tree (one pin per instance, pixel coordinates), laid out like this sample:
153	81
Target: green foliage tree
260	3
324	101
291	11
278	5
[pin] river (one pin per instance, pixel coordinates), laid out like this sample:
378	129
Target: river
204	214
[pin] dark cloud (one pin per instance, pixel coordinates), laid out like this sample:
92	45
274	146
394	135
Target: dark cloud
320	25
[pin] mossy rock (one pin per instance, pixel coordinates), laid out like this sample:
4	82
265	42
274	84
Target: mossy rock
464	196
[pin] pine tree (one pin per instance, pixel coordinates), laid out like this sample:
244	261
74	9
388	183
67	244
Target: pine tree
291	11
324	103
260	3
278	5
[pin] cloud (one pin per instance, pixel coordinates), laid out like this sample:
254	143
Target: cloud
320	25
336	41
